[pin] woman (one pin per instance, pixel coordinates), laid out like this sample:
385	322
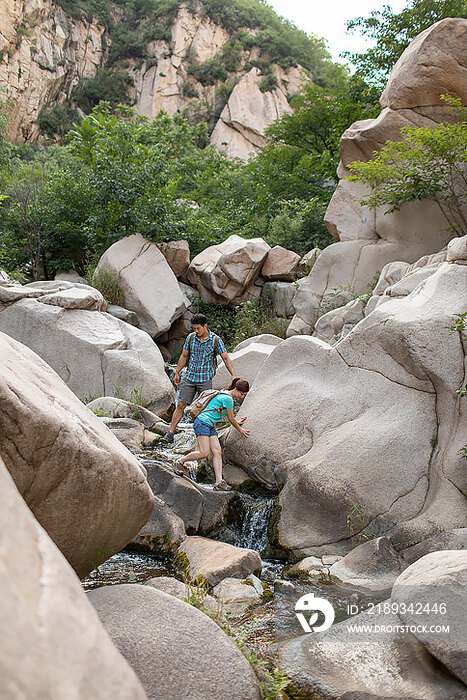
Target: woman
204	426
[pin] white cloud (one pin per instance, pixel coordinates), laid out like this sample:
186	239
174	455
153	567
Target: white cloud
328	19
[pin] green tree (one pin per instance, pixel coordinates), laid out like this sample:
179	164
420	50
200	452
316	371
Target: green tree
430	163
393	32
320	117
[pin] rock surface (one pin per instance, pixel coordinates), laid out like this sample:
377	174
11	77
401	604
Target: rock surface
226	272
214	561
438	579
177	254
280	265
373	565
341	664
55	647
94	353
247	363
47	52
87	491
176	650
235	596
386	391
434	63
150	288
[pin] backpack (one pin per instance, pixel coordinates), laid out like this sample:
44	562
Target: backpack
202	401
216	345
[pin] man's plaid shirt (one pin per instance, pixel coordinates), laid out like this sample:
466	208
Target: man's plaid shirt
201	366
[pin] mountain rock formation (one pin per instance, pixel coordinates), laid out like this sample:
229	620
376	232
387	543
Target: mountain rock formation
45	55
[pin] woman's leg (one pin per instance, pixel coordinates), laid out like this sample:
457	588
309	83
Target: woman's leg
201	453
216	457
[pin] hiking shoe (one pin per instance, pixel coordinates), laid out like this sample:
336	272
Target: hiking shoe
167	439
222	486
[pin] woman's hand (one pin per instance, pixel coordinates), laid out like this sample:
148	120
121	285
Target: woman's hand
244	432
241	420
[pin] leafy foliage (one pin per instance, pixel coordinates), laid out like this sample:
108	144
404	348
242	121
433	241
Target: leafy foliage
57	120
393	32
111	86
430	163
109	286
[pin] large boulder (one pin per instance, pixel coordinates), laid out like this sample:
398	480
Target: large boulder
366	240
177	254
280	265
247	362
436	586
83	486
214	561
280	296
226	273
150	288
175	649
346	663
393	649
373	565
53	644
95	353
381	407
432	65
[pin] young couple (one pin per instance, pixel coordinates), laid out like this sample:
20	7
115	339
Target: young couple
199	352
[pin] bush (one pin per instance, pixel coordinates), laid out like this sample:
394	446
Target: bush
255	318
111	86
109	286
57	120
268	82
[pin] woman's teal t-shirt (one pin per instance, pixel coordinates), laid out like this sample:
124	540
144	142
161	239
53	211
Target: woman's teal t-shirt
216	409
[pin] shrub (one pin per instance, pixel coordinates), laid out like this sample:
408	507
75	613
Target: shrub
255	318
108	85
109	286
268	82
57	120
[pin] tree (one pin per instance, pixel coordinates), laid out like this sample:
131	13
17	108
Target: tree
319	119
430	163
393	32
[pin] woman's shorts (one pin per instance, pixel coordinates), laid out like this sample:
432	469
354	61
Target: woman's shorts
202	428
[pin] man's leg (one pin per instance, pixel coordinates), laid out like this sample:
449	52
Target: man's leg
185	396
177	416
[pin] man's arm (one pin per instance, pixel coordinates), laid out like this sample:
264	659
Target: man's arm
180	365
237	424
228	362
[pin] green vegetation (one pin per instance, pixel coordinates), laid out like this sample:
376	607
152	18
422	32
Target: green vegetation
429	164
109	286
393	32
109	85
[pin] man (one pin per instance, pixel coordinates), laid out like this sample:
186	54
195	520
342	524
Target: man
199	351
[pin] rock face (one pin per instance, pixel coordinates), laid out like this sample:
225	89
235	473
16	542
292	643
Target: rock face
150	287
55	646
176	650
226	272
249	111
93	352
369	239
379	408
45	53
82	485
396	656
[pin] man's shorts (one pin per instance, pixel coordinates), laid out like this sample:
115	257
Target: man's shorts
188	390
202	428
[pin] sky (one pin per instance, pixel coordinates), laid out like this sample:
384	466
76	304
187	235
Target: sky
328	18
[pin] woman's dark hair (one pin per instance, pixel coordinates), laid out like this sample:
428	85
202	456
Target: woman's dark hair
199	319
239	384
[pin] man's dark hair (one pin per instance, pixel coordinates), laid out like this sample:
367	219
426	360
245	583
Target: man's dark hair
199	319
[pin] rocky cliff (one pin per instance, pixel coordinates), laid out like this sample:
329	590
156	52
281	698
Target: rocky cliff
46	55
